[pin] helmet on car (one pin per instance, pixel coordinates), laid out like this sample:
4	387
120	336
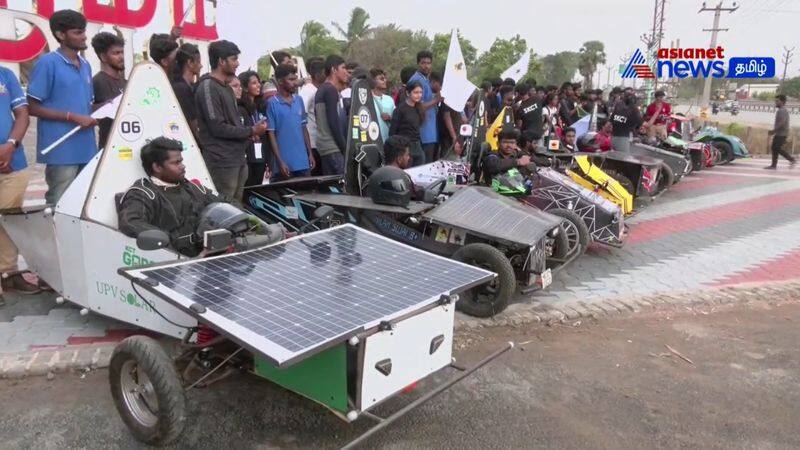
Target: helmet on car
510	182
389	185
588	143
224	216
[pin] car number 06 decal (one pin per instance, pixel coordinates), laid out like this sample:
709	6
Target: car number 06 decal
130	128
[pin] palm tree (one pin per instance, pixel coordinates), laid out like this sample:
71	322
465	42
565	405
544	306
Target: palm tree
357	27
591	55
316	40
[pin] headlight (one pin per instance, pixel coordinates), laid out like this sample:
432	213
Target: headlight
553	233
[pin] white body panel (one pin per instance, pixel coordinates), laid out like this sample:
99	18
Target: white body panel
455	172
70	257
408	346
78	249
148	109
111	295
40	252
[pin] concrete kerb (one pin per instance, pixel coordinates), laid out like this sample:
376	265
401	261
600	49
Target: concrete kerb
51	361
83	358
526	313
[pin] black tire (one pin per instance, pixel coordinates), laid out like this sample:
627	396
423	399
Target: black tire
666	177
140	359
698	161
725	151
561	248
576	230
623	180
491	298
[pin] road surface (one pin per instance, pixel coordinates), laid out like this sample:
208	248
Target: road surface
613	384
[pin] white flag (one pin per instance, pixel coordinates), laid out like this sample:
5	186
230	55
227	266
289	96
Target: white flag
109	109
519	69
582	126
456	88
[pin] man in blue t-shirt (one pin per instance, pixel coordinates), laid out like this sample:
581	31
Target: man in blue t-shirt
13	176
288	135
60	95
428	133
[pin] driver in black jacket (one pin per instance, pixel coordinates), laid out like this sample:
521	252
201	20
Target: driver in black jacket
506	158
167	201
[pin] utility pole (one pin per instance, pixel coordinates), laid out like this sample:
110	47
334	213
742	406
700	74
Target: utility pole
787	57
653	43
718	10
623	60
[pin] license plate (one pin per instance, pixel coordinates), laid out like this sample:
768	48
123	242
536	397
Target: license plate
547	278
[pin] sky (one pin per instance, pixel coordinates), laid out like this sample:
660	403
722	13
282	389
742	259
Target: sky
757	28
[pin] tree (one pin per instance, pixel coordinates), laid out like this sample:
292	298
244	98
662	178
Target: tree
592	54
263	67
791	87
501	55
316	40
441	46
390	48
557	68
357	28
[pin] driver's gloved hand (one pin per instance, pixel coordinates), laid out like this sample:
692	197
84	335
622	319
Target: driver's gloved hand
276	232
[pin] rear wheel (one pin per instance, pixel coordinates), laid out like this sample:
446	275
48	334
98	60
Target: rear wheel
666	177
725	151
622	179
575	229
490	298
147	391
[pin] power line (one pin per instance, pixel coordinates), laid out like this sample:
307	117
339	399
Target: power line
718	10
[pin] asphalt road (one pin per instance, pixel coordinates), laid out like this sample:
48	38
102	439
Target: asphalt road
753	118
612	384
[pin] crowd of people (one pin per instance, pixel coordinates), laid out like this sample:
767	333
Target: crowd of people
252	131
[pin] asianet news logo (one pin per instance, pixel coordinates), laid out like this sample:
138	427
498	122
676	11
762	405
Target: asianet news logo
698	62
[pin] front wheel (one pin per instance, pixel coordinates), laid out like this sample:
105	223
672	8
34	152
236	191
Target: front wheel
622	179
147	391
490	298
666	177
575	229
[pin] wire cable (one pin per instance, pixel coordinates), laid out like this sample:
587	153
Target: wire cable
133	286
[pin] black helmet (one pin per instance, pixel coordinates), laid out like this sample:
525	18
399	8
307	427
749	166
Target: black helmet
389	185
224	216
588	143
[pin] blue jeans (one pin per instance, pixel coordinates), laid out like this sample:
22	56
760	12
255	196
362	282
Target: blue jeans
621	144
430	152
58	179
417	154
332	164
229	181
294	174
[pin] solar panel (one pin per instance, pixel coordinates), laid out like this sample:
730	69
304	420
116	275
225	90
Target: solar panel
292	299
482	211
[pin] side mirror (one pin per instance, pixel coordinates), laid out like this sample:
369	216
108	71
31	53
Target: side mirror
466	130
323	212
152	240
434	190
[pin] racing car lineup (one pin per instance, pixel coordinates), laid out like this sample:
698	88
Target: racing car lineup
342	340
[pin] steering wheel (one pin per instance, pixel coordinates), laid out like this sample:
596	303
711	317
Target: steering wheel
434	190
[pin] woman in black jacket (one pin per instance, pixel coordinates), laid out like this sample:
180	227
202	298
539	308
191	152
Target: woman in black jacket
251	107
407	119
